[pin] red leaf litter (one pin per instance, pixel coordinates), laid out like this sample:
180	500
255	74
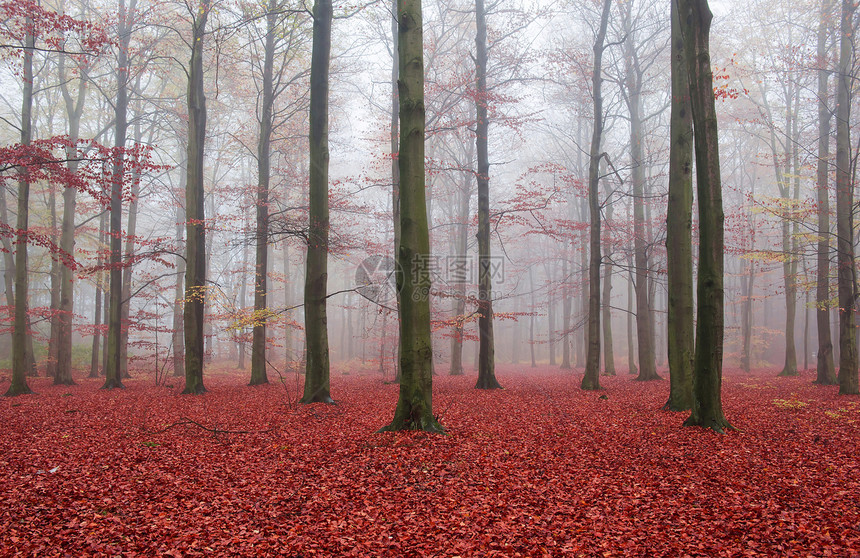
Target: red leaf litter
538	469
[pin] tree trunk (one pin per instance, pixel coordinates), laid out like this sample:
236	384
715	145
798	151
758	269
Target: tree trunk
532	317
51	365
129	255
565	311
261	266
747	286
631	335
695	17
608	345
550	316
97	336
460	296
178	317
847	280
591	379
74	111
195	228
486	347
825	372
113	373
316	327
21	331
414	409
241	304
644	318
679	231
394	138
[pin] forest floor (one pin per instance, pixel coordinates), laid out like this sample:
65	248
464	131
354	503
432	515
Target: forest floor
540	468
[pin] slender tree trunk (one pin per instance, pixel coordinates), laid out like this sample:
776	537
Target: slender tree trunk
394	138
113	373
631	332
129	255
591	379
679	231
261	267
195	229
51	365
608	344
584	294
565	311
414	409
74	111
99	312
460	296
707	411
644	317
288	300
847	279
20	333
806	331
178	313
316	328
747	286
486	356
243	298
550	317
532	317
8	254
825	371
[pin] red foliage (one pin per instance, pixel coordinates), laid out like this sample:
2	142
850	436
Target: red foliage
45	161
22	17
539	469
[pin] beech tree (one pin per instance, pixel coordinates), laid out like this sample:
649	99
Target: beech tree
20	361
195	236
632	90
825	372
591	379
316	273
486	357
847	273
679	215
707	411
261	267
74	100
414	409
113	370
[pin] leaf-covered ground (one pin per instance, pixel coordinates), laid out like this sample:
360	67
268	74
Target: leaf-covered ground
539	469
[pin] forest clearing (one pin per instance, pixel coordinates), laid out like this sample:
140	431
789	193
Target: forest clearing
541	468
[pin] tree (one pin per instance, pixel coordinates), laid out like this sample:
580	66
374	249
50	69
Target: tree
113	371
21	332
74	105
591	379
707	411
261	267
825	373
633	97
195	235
679	224
486	356
847	279
414	409
316	274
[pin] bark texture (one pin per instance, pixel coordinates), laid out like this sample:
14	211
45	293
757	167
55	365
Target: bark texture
414	409
316	275
679	240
